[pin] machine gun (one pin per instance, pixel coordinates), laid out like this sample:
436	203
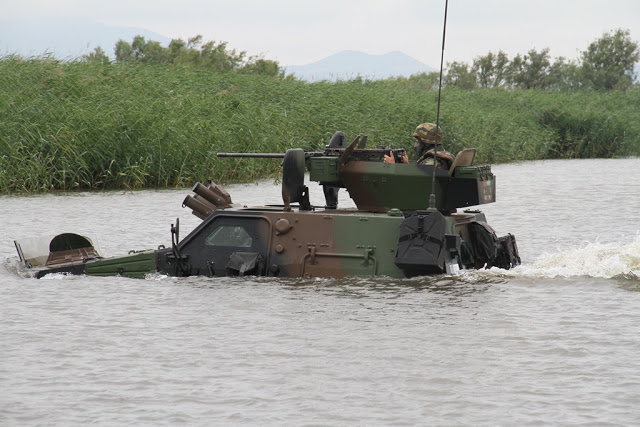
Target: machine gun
376	186
369	155
336	153
336	148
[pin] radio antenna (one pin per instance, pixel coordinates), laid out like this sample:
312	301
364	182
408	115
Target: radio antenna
432	196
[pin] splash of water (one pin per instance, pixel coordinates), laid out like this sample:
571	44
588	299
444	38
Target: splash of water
599	260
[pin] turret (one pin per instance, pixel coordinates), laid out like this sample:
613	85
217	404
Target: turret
376	186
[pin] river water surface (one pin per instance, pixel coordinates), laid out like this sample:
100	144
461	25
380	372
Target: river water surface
554	341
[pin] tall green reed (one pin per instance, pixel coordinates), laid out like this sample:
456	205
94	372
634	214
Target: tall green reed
75	125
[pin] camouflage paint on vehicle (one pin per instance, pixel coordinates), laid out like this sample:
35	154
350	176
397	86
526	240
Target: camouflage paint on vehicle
378	187
298	244
306	240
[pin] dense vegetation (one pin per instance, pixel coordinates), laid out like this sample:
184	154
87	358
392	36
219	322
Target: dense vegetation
606	64
210	55
133	123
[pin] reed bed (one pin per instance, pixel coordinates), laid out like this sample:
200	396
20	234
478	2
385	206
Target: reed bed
78	125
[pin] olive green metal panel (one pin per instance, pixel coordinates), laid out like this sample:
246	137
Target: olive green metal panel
334	244
324	169
368	243
135	265
378	187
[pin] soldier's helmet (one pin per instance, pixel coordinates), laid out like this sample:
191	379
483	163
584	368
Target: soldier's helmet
426	132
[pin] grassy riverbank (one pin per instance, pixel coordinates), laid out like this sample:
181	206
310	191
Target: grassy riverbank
125	125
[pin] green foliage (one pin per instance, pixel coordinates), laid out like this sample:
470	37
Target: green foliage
265	67
98	55
592	124
460	75
529	71
131	124
608	62
491	69
421	81
210	55
564	75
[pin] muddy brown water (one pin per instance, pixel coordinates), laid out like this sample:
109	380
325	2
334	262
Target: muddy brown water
555	341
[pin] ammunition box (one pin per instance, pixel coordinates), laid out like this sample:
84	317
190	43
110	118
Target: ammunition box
479	172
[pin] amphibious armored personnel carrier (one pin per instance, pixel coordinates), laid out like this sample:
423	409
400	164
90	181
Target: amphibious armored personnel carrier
393	230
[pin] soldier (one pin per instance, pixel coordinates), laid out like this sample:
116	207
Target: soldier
425	135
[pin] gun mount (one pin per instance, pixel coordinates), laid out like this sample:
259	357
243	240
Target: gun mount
376	186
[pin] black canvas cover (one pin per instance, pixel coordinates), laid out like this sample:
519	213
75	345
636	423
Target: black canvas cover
68	241
421	243
483	242
488	249
507	255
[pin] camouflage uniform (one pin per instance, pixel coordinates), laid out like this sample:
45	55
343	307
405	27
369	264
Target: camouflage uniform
442	159
425	135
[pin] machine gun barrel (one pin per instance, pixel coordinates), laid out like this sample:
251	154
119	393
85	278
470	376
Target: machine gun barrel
254	155
307	155
375	154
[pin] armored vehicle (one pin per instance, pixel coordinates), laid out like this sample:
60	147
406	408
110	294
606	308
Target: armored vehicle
395	230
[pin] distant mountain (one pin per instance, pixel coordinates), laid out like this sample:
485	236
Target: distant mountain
66	40
349	64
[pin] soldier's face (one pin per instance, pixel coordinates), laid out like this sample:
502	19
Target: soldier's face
419	147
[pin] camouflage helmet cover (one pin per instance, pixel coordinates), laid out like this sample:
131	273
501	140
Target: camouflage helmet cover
426	132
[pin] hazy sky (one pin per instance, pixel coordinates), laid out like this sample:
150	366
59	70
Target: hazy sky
297	32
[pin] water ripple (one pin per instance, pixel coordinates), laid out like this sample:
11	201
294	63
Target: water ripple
554	341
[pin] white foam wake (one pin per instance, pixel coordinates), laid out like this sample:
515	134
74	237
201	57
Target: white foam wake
601	260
